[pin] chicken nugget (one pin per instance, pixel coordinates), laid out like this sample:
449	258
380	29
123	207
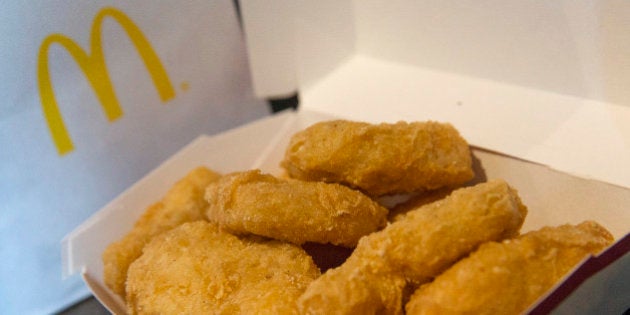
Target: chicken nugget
197	268
429	239
380	159
507	277
184	202
416	248
296	211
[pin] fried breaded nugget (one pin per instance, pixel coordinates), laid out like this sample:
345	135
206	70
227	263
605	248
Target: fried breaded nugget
416	248
184	202
380	159
197	268
429	239
506	277
251	202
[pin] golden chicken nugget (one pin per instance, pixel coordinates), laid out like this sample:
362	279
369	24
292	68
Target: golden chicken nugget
380	159
197	268
291	210
429	239
507	277
184	202
416	248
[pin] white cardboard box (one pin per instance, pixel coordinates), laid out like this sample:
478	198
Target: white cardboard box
541	83
552	197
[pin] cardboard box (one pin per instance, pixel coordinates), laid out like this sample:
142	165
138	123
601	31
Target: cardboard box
490	70
553	197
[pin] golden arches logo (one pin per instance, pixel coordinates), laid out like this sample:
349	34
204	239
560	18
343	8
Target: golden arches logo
93	66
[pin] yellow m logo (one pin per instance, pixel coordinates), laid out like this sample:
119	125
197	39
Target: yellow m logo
93	66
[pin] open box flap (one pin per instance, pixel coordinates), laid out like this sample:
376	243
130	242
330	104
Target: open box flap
568	47
538	81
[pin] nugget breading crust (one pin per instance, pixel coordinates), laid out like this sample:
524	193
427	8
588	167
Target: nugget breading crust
358	286
184	202
291	210
380	159
199	269
506	277
416	248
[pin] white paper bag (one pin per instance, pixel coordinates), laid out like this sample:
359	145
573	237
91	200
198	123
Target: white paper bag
93	95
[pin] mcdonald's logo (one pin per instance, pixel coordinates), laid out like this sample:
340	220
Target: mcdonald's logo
92	64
